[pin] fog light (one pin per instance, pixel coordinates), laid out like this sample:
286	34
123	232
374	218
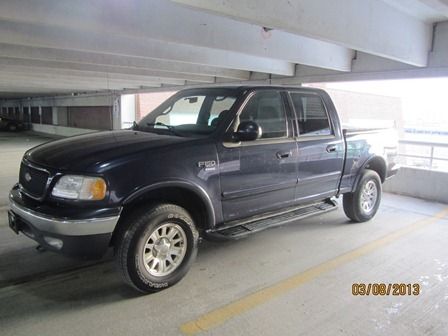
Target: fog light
54	242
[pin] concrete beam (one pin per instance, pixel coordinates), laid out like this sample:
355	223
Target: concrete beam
55	76
7	91
71	39
117	62
369	67
370	26
439	54
95	71
429	11
165	21
85	99
441	6
72	83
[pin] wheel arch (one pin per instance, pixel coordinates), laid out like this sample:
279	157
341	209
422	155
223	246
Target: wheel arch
375	163
185	194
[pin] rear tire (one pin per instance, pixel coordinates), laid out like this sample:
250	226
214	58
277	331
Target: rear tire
362	205
157	248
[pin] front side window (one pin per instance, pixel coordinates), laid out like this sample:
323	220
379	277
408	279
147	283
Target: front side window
311	113
266	108
220	107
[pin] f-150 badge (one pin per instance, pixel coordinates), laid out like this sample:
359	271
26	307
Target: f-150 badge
207	165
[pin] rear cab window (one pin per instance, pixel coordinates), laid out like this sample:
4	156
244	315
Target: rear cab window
312	115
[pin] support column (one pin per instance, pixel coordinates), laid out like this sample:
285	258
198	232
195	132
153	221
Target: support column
116	112
54	111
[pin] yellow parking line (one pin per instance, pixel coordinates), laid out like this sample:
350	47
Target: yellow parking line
217	317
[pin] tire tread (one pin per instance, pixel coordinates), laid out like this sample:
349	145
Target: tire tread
350	200
124	241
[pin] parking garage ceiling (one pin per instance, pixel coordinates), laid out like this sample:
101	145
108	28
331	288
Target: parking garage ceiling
52	47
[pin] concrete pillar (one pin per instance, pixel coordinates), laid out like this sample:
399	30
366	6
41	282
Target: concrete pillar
116	112
54	111
127	109
40	115
62	116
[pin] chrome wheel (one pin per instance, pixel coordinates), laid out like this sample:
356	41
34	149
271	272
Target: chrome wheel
165	249
369	196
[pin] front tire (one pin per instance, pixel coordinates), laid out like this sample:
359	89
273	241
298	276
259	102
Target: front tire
157	248
362	205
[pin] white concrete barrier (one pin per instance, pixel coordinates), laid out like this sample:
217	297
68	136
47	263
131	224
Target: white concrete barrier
422	183
59	130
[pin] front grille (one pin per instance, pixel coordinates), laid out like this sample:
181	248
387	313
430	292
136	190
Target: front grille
33	181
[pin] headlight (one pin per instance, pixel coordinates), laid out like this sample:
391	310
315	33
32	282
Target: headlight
80	187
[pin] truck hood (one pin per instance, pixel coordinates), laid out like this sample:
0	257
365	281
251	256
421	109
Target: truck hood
85	152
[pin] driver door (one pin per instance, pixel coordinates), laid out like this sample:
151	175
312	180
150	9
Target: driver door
260	175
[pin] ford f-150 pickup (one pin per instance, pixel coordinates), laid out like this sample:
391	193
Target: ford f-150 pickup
218	163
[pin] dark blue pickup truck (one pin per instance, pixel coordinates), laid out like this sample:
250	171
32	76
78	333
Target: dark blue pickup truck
218	163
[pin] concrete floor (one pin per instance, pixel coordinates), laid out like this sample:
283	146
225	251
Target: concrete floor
292	280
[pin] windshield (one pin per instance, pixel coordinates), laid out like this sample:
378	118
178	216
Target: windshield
190	112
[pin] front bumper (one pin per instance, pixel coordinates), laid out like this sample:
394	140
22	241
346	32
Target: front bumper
83	236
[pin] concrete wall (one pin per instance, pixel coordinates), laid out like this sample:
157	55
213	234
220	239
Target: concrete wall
90	117
365	109
62	115
422	183
59	130
75	113
146	102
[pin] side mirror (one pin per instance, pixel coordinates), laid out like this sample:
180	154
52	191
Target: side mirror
248	131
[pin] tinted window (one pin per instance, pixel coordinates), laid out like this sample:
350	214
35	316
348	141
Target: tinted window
267	110
313	118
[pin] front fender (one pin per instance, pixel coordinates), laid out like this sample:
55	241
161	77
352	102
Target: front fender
197	189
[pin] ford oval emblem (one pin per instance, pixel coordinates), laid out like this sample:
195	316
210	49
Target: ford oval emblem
27	177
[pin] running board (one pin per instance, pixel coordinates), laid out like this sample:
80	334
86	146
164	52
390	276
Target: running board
242	228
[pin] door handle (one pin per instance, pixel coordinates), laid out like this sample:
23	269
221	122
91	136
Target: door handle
283	155
331	148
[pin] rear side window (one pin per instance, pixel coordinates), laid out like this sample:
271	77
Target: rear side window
311	113
267	110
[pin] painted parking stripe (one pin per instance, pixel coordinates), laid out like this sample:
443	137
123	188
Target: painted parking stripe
219	316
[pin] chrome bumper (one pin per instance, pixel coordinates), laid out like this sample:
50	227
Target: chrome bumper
64	226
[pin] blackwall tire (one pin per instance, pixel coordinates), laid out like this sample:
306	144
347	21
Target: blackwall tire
157	248
362	205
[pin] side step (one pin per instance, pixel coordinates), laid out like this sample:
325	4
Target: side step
242	228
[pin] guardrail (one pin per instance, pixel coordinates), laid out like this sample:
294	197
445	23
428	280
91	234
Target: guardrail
431	157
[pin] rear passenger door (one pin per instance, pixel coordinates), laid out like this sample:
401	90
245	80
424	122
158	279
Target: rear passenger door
260	175
320	146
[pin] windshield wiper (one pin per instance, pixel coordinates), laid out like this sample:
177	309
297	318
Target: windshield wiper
169	127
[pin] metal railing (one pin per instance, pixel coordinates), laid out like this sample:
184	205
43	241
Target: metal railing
430	158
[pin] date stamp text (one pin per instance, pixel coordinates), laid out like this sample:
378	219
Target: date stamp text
383	289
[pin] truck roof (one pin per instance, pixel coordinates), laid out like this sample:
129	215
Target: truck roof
240	88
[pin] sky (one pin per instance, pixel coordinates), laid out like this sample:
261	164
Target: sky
424	101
